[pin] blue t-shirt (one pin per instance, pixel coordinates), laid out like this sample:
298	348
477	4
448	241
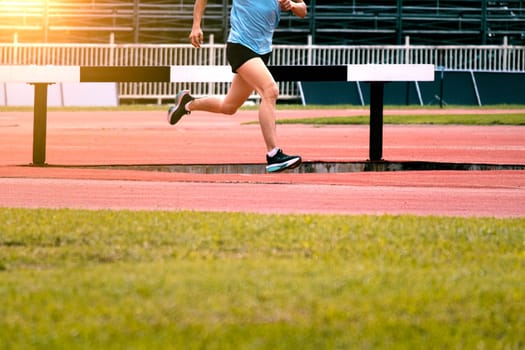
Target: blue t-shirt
253	23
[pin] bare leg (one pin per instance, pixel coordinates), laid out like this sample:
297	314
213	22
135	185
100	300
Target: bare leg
255	73
252	75
237	94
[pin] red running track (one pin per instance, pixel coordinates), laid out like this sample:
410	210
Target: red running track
129	138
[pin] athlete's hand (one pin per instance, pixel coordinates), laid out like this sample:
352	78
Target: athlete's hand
196	37
298	7
286	5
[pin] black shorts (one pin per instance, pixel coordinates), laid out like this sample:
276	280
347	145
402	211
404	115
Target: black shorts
238	54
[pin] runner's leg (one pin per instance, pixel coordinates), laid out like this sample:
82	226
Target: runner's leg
252	75
237	94
255	73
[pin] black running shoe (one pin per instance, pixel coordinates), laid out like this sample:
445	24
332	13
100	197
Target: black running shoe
281	162
179	110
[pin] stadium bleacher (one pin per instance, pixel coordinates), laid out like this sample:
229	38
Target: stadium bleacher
344	22
92	21
425	21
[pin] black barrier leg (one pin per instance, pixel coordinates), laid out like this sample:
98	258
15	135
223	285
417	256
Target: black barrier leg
376	120
40	124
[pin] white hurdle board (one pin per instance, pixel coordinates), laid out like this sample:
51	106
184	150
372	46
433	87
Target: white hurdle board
39	74
390	72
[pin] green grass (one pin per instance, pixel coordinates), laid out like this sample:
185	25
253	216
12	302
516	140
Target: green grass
441	119
72	279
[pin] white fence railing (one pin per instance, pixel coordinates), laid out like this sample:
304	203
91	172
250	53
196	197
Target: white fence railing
501	58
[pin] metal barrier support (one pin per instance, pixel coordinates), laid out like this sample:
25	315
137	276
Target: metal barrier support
40	123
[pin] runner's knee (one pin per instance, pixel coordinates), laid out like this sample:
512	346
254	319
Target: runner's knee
270	92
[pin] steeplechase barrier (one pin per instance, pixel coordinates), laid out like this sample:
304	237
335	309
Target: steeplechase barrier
41	76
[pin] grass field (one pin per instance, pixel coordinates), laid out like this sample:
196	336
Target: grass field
74	279
441	119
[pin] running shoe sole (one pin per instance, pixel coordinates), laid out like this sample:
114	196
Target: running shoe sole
175	113
289	164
